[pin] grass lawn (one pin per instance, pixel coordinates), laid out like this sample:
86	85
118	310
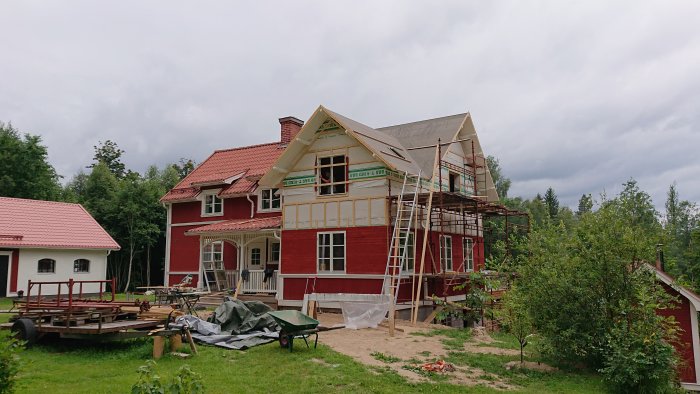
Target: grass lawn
78	367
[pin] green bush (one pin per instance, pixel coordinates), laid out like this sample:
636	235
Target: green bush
9	364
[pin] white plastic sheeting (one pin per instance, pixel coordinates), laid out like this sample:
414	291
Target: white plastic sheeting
359	315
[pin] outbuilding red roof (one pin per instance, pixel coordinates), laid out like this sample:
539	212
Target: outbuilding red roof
239	225
245	165
50	224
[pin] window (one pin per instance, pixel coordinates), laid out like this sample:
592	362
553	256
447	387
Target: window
408	262
269	200
46	266
81	265
446	252
275	252
454	182
468	253
212	205
255	256
332	175
213	256
331	252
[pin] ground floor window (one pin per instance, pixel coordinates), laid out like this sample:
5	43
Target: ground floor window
213	256
410	244
255	256
446	252
275	252
81	265
331	252
46	266
468	250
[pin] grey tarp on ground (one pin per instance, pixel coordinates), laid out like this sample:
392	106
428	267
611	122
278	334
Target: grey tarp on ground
239	317
236	325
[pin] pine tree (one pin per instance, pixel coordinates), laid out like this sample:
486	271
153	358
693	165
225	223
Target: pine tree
585	205
552	203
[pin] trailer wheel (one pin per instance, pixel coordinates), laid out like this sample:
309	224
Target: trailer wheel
25	330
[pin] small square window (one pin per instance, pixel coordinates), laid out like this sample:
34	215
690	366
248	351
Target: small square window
46	266
269	200
212	205
81	266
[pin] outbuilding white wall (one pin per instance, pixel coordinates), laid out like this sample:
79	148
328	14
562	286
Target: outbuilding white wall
28	267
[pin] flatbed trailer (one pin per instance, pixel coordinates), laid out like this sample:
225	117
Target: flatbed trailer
71	313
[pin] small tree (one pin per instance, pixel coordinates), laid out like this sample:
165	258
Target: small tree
515	319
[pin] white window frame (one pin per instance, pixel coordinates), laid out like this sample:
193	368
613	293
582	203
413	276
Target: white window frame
209	256
46	272
81	272
468	253
409	263
274	196
206	195
332	256
272	253
320	185
446	258
250	260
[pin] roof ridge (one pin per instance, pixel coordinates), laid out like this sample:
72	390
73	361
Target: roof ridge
424	120
248	147
33	200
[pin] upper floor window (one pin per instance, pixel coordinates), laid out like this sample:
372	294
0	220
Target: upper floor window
446	252
468	249
213	256
332	175
212	205
46	266
270	200
81	265
331	252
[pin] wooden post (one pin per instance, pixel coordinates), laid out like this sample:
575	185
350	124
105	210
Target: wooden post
238	287
175	342
426	230
191	341
158	345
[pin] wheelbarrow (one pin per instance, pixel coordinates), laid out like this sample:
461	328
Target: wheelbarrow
295	324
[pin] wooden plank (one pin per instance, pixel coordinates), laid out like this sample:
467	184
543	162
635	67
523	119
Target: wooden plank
432	314
93	328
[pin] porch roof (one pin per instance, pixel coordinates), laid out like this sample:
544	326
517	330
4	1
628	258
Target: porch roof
239	225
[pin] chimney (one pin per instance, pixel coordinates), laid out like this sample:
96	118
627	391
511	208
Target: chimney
660	263
290	128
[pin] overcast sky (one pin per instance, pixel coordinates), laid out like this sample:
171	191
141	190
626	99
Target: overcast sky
578	96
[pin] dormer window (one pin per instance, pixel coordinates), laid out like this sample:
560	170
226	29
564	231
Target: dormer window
270	200
212	205
332	175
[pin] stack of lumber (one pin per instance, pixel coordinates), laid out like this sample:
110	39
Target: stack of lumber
156	312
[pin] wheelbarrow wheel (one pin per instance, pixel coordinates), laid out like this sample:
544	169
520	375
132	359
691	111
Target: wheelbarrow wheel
284	340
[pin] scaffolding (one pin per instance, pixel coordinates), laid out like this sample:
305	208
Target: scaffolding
447	209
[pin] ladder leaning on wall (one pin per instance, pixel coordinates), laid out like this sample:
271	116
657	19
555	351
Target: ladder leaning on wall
397	256
214	277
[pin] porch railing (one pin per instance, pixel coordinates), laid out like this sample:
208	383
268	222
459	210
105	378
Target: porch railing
256	282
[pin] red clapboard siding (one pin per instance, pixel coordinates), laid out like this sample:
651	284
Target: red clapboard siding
184	250
294	287
684	346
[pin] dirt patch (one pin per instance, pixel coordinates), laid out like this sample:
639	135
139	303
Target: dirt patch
542	367
411	349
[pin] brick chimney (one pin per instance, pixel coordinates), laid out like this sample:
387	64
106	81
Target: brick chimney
290	128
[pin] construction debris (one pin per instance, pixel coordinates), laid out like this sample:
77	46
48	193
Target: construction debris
438	366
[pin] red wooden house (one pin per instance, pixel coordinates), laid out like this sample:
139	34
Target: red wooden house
685	312
318	210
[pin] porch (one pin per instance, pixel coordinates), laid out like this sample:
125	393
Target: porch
256	257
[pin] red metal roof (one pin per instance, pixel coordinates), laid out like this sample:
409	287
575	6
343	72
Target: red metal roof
239	225
50	224
254	161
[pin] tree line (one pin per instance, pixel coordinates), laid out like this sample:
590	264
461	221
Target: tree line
124	202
